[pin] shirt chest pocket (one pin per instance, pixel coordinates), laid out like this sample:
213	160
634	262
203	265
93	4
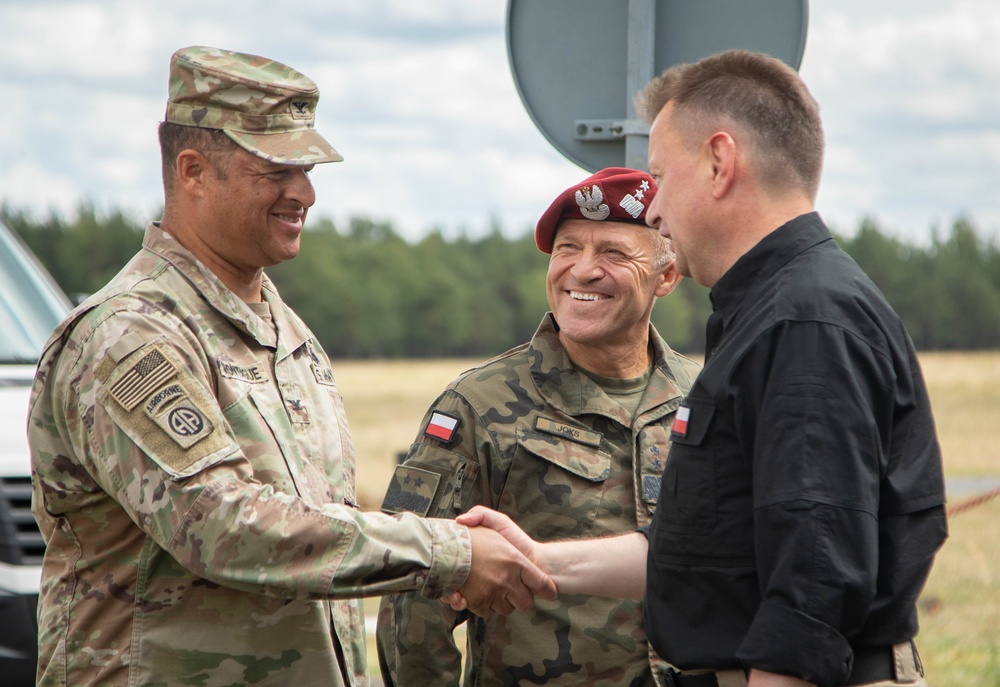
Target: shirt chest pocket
252	418
555	485
272	441
687	503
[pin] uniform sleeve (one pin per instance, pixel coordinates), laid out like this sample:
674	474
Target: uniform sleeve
443	475
142	416
819	422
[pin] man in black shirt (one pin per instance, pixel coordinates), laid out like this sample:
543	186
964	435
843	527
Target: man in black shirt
803	498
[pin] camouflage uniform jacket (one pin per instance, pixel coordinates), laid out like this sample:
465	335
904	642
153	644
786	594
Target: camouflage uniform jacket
193	478
536	439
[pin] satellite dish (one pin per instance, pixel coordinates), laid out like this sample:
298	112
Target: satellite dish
578	64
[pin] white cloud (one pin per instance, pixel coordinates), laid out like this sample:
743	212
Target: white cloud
908	103
419	99
90	39
37	190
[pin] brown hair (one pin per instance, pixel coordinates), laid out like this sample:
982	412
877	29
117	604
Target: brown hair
763	97
214	144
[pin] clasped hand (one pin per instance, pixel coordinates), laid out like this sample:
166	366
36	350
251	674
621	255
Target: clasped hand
504	576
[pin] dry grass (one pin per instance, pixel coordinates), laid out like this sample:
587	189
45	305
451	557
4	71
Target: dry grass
960	608
965	394
386	401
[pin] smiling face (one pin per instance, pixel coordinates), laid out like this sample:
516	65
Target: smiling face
257	209
601	285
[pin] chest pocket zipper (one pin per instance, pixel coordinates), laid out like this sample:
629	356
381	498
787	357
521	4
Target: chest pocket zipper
456	496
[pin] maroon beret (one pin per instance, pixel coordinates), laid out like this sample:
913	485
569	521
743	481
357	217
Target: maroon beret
615	194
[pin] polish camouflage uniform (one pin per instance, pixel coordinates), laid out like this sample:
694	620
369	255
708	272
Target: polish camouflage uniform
540	441
193	478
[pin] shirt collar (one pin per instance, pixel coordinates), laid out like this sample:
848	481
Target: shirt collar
574	393
215	293
763	261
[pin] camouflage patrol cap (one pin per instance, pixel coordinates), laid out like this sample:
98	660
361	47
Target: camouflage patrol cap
614	194
266	107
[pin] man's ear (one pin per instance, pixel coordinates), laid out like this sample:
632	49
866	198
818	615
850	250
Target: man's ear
192	170
668	280
721	149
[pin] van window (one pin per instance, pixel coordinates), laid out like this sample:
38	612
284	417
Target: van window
30	304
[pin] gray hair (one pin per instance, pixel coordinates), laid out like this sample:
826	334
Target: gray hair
663	252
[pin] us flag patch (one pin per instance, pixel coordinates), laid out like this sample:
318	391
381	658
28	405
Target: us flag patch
145	377
442	427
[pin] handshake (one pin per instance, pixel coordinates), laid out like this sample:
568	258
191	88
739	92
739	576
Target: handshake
509	568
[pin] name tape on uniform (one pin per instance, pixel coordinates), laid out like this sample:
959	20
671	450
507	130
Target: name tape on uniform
577	434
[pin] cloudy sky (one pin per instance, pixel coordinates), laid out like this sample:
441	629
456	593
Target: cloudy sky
419	99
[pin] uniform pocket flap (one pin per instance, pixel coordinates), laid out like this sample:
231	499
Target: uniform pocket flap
584	461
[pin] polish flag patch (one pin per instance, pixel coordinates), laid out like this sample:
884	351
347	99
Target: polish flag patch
681	421
442	427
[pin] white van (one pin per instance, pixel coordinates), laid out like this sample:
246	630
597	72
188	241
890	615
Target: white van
31	305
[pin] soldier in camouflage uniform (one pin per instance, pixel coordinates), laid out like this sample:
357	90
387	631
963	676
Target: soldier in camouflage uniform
567	435
193	468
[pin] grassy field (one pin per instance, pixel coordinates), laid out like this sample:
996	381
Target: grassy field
960	608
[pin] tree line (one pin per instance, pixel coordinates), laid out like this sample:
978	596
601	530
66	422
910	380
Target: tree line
367	292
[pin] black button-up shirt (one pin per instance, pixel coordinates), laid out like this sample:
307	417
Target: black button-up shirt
802	501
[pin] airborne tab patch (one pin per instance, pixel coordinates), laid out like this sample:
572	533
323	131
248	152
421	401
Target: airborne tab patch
157	400
174	411
147	375
577	434
441	427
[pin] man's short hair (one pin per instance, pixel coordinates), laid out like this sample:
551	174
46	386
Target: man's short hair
762	96
663	251
214	144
